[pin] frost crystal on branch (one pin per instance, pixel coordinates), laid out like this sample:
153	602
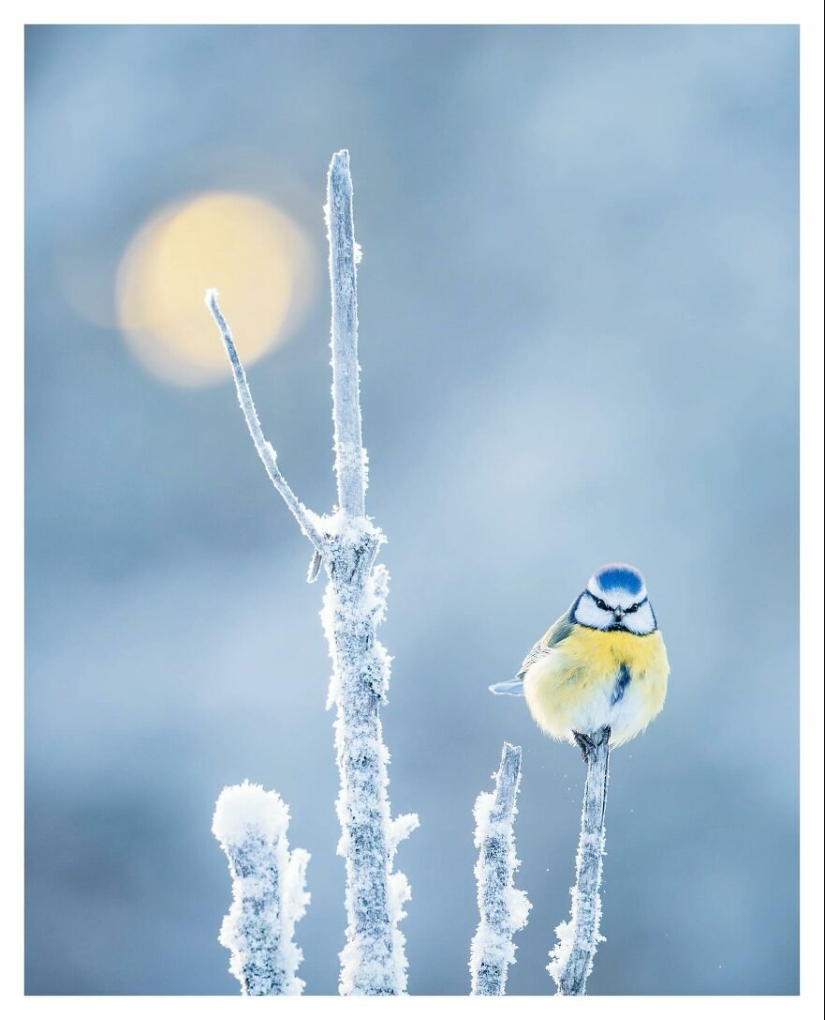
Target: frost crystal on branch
571	961
267	888
502	907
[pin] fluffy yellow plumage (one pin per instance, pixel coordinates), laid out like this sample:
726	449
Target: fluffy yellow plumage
602	664
574	687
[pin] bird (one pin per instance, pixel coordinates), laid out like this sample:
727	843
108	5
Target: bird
602	668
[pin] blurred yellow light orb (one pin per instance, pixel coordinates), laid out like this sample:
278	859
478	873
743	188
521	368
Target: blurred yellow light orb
256	257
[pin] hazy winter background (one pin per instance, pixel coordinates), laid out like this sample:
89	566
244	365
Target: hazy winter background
579	340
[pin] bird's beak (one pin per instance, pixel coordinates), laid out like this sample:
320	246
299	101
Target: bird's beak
619	613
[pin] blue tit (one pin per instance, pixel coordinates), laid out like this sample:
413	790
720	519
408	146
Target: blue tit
603	663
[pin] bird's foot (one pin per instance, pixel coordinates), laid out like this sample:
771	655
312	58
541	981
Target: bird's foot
585	744
588	742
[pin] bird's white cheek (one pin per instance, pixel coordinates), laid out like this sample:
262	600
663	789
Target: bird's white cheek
642	621
589	614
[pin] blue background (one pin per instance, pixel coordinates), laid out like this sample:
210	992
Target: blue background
579	330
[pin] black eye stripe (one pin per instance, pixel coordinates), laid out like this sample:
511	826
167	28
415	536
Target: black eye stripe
603	605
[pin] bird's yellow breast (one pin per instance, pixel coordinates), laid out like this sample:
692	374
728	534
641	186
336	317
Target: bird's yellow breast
602	651
596	678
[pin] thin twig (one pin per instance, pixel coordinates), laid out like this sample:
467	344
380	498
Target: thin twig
306	519
346	412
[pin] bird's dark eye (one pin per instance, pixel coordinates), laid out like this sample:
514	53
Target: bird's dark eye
601	604
633	608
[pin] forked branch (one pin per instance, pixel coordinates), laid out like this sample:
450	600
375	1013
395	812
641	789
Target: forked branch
346	543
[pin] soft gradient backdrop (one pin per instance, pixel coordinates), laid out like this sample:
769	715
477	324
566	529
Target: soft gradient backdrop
579	333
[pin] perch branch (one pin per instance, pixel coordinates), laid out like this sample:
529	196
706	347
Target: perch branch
571	961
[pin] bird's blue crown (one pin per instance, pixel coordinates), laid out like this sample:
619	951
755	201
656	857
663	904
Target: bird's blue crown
619	576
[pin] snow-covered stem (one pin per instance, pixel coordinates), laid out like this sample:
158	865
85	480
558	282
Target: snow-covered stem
373	961
571	961
306	518
503	909
346	545
346	412
267	888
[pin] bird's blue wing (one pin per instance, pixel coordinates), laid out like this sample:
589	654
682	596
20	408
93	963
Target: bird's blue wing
560	630
514	687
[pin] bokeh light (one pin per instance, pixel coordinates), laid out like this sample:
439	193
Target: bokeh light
256	256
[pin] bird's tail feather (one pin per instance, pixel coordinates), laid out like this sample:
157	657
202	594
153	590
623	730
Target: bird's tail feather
513	687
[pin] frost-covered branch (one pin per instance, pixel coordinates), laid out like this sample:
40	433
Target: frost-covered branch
267	888
373	961
307	520
346	545
502	907
571	961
